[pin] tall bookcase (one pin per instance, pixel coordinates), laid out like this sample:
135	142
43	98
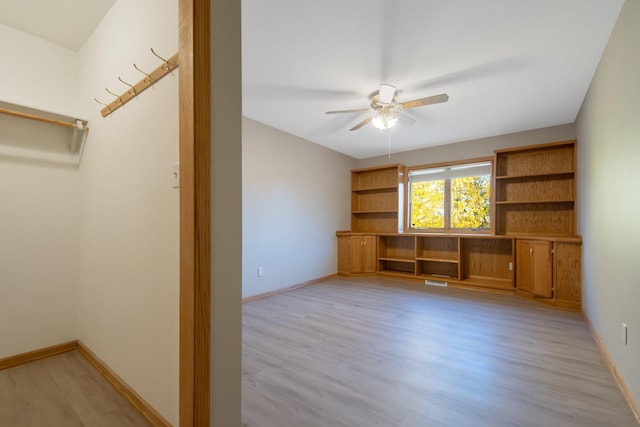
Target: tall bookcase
376	199
535	190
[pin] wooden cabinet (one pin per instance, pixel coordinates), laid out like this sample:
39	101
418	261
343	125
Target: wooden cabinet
363	259
567	274
535	190
534	267
357	254
376	197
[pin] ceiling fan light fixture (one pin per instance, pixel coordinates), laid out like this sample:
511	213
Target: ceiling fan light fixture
384	121
386	93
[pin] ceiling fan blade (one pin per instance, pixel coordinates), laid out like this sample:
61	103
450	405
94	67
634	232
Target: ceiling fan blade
406	120
386	93
436	99
359	110
362	123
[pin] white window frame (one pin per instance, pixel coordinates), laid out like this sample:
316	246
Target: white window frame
447	171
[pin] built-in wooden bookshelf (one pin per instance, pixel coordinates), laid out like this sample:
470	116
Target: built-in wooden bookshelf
437	257
535	190
396	254
488	262
375	199
534	205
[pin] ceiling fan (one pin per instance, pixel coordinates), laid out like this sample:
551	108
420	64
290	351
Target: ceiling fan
387	109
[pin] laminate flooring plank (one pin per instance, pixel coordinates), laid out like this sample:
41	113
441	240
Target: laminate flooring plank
94	400
376	352
62	391
9	401
37	399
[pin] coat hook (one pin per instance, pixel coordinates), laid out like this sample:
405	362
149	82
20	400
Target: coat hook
114	94
165	65
148	78
131	91
102	103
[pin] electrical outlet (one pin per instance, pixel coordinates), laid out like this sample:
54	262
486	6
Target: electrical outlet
510	266
625	334
260	271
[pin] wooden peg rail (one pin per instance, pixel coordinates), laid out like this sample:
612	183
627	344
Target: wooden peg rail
43	119
144	84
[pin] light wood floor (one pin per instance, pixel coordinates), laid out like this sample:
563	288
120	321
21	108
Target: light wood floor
65	391
354	352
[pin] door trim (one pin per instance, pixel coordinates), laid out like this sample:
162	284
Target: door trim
195	211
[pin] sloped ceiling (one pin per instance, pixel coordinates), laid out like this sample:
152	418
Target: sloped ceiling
67	23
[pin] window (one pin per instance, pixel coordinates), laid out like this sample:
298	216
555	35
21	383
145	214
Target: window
450	197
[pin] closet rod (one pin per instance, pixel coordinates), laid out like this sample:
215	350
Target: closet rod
42	119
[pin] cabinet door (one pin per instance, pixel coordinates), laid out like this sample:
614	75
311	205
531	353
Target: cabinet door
567	273
524	271
369	254
355	254
344	254
533	267
541	266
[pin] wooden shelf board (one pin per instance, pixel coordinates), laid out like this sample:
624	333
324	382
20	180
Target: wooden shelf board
428	276
406	260
537	147
536	175
397	273
529	202
394	211
450	261
547	236
393	166
561	237
367	189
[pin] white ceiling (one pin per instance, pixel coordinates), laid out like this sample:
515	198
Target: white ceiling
67	23
507	66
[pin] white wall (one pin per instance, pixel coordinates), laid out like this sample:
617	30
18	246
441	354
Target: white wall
37	74
39	215
475	148
39	201
295	195
128	295
609	151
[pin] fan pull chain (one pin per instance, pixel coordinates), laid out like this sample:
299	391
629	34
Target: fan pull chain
389	144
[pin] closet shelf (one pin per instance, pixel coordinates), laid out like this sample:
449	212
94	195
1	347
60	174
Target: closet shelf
76	132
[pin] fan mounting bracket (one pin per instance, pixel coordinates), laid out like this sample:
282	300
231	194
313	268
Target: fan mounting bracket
377	105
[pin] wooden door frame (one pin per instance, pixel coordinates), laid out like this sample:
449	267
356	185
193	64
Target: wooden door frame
210	165
195	211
